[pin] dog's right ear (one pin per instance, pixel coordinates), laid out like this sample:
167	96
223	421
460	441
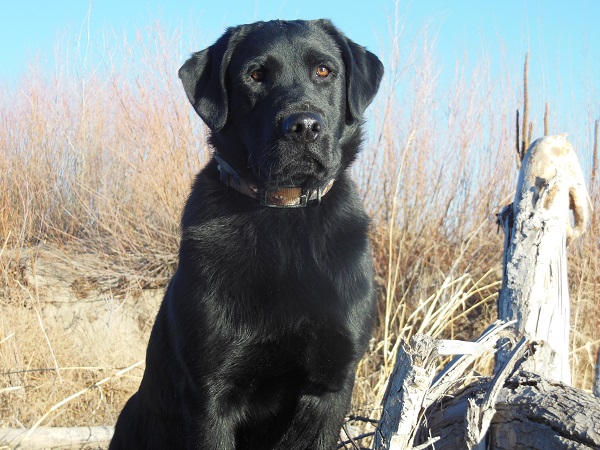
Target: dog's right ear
203	77
364	71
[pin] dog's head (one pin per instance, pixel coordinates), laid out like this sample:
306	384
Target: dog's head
284	99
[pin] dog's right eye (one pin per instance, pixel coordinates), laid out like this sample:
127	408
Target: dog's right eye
258	75
323	71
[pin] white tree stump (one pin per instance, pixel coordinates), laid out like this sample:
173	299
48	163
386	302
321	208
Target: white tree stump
529	411
537	227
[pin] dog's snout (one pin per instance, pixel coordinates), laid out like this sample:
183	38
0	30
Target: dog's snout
303	127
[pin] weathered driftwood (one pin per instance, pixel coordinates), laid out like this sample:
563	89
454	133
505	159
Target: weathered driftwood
406	390
412	388
531	412
63	438
528	411
537	226
479	414
512	410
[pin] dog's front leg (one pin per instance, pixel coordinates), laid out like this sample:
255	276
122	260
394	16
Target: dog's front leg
318	420
213	434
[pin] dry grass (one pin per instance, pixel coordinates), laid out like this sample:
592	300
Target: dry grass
96	163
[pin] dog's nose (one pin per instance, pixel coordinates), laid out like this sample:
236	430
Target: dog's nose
302	127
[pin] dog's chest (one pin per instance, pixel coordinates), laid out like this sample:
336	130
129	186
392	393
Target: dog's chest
284	257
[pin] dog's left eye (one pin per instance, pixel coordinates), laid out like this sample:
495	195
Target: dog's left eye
323	71
258	75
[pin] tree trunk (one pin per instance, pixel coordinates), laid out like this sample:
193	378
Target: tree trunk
537	227
531	413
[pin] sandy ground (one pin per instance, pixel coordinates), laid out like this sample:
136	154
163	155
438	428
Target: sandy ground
69	320
89	301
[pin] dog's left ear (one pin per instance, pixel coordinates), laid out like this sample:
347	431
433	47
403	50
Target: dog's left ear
204	79
364	72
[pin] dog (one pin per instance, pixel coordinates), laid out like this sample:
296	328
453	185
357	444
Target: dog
272	305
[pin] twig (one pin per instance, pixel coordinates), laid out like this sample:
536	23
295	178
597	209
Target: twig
357	438
8	234
525	127
362	419
350	438
518	141
36	307
594	161
457	366
479	417
74	396
51	369
393	271
427	444
10	389
6	338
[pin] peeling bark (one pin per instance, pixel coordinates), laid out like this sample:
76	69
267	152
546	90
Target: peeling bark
537	227
531	413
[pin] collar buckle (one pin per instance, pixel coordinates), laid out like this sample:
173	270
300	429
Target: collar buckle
226	171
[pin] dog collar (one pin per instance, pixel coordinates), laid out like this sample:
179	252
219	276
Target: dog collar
286	197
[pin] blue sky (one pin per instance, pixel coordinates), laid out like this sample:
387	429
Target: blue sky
549	28
563	37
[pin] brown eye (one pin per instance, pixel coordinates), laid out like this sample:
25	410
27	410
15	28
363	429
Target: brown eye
258	75
323	71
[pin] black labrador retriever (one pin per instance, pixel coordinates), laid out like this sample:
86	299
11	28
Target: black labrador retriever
257	340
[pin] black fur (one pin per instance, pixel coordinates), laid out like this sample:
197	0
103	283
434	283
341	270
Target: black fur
257	340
